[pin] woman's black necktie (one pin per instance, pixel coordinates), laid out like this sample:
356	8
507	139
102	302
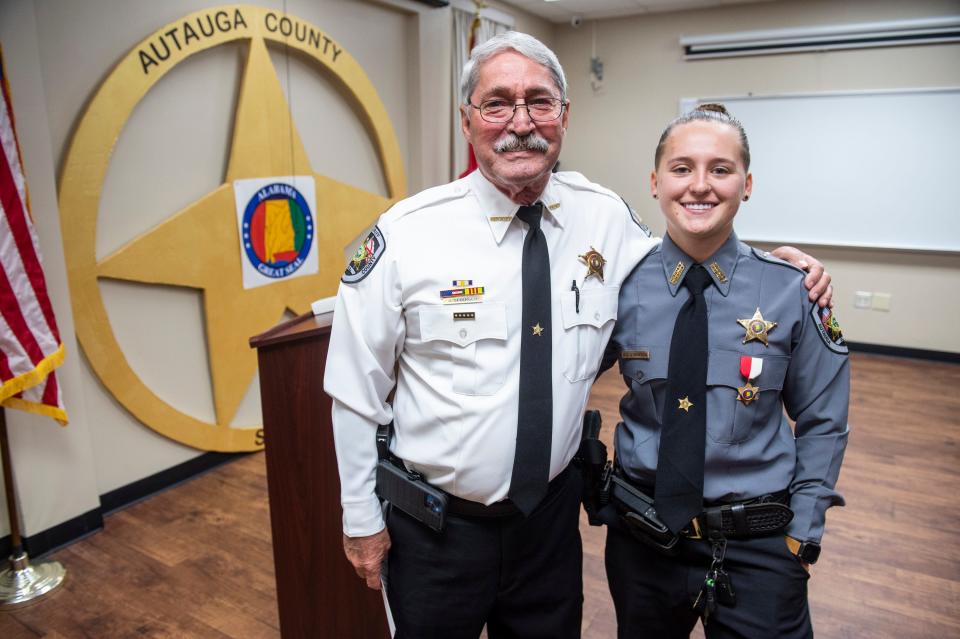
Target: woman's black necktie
678	493
531	463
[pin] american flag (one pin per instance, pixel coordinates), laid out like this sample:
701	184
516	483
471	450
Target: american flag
30	346
471	43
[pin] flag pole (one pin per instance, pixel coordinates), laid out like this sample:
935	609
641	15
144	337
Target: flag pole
21	583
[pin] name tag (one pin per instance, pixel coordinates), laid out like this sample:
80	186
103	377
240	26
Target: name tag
635	355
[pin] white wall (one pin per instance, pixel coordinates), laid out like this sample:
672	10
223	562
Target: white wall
524	22
613	132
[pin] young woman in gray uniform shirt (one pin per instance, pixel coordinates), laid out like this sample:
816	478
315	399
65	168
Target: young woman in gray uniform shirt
704	433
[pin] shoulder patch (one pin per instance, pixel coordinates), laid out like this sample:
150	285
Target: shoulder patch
365	258
829	329
423	199
637	219
773	259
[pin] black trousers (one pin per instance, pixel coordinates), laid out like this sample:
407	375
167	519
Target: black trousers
520	576
654	595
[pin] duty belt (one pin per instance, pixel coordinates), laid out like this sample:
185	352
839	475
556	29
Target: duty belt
504	508
764	515
466	508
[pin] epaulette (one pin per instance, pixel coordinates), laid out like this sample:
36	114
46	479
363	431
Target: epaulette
637	219
372	248
770	258
425	198
577	181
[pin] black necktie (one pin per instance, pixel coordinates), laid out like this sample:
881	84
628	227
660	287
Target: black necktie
531	463
678	494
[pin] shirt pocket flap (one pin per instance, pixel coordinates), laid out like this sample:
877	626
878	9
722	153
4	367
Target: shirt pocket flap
645	363
597	306
463	324
723	369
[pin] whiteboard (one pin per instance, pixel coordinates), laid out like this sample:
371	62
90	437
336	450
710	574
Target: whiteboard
866	169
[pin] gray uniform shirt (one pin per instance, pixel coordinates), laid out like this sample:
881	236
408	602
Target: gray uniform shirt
751	449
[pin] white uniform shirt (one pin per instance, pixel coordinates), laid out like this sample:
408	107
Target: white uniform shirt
455	406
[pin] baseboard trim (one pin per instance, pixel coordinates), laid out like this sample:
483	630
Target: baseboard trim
77	528
137	491
901	351
46	541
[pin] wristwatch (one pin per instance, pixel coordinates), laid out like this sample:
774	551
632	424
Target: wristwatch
806	551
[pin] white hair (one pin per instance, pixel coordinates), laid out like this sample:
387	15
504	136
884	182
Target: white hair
525	45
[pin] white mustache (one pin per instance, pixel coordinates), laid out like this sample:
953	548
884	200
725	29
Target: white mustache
513	142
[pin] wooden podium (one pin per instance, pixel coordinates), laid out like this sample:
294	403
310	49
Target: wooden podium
318	592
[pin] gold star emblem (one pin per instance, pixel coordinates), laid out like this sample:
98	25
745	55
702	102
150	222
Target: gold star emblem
537	329
594	262
747	393
685	404
196	247
757	328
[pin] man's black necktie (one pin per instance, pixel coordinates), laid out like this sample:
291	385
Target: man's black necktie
531	463
678	494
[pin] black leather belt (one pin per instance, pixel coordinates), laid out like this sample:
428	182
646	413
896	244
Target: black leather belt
755	517
498	509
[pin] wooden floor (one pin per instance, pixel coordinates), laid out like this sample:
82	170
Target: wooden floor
195	561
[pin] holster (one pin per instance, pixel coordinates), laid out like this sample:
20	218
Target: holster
591	459
639	517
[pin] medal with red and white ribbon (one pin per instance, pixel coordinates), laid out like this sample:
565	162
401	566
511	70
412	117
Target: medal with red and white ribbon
750	368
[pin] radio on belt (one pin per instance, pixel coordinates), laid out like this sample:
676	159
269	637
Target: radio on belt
406	489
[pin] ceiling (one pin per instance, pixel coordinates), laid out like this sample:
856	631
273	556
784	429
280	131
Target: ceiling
566	10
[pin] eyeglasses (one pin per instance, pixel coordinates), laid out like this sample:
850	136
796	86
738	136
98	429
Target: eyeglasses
498	110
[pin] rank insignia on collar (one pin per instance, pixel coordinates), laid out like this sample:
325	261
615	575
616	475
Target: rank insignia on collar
757	328
594	262
677	273
721	276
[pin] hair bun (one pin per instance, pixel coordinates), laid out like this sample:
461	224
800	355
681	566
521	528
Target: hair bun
713	107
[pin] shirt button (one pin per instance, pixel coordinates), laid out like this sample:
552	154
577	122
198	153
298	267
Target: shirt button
596	316
463	332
